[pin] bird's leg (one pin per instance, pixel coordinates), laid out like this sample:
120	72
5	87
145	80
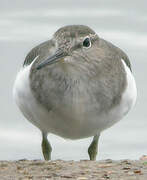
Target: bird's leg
46	147
92	150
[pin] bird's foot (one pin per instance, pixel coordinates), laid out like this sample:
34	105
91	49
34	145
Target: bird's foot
46	147
93	148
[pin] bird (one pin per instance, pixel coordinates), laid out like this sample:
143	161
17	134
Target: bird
75	85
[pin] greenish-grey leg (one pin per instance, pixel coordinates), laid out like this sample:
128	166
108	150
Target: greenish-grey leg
46	147
93	148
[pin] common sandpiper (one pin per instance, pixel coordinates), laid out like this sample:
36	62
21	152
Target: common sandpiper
75	85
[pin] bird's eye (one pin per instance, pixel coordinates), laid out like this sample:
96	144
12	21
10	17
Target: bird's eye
87	42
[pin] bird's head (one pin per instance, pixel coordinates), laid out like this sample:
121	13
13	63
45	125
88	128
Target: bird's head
73	43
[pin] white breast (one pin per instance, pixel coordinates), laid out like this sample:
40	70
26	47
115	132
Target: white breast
25	100
130	94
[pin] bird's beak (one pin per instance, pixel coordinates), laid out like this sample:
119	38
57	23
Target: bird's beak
52	59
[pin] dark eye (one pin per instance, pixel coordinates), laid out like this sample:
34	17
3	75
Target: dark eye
86	42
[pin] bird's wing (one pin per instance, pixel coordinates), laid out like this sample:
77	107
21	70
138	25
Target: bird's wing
45	46
126	60
124	57
41	51
117	51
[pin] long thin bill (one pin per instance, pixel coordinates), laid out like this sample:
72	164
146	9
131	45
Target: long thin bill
52	59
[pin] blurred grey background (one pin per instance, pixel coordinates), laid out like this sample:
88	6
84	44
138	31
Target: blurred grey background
24	24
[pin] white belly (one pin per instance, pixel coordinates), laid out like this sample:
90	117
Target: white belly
76	126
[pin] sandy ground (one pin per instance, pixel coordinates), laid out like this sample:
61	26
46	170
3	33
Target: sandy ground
78	170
